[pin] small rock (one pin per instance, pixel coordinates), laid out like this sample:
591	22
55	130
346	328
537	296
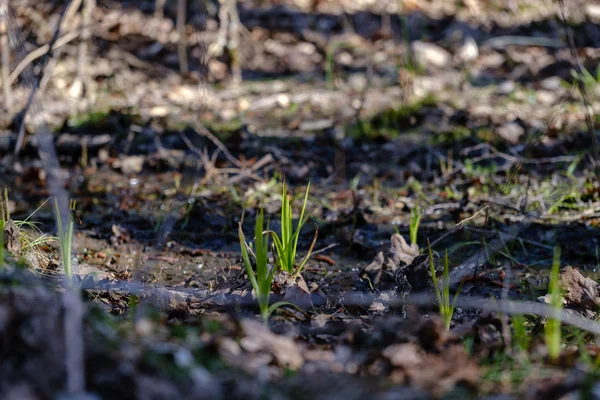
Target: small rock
506	87
511	132
552	83
429	54
593	12
468	51
132	164
545	97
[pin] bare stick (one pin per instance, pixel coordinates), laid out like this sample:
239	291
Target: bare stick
41	51
159	9
234	42
88	7
182	47
36	80
4	48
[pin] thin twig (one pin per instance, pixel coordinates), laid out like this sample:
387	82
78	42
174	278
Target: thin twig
37	80
182	46
5	49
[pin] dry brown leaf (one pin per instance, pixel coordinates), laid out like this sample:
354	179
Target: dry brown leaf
579	290
404	355
258	338
321	319
401	251
440	373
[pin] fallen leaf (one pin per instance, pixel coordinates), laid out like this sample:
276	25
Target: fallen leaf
259	338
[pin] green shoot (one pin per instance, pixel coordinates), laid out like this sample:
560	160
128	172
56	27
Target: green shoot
520	333
286	244
415	219
446	306
262	279
552	328
65	238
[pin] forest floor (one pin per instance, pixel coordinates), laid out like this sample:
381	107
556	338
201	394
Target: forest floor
467	113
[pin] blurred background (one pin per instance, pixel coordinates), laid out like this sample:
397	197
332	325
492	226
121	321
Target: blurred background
172	118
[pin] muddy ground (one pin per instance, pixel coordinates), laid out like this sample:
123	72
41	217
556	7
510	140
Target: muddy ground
471	112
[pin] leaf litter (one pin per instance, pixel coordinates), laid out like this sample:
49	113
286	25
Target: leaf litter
163	225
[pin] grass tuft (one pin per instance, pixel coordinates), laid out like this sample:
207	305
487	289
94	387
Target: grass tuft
65	238
262	278
286	243
31	237
442	293
415	219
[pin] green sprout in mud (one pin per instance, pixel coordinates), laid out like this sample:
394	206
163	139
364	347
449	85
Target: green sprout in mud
286	244
65	238
442	293
262	278
552	332
415	219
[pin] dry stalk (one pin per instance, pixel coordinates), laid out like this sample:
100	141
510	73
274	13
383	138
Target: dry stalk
81	79
34	81
182	45
229	36
5	49
159	9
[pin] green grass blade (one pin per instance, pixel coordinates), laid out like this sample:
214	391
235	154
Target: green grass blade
260	253
280	250
36	210
552	328
446	287
278	304
434	276
312	245
285	209
301	221
246	258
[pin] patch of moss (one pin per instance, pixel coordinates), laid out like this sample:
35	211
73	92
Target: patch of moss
93	118
457	135
390	123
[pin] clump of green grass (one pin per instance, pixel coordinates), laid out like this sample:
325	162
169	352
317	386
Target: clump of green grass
442	293
31	237
552	332
262	278
415	219
65	238
286	243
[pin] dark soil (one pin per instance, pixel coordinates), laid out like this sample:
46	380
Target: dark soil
470	112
